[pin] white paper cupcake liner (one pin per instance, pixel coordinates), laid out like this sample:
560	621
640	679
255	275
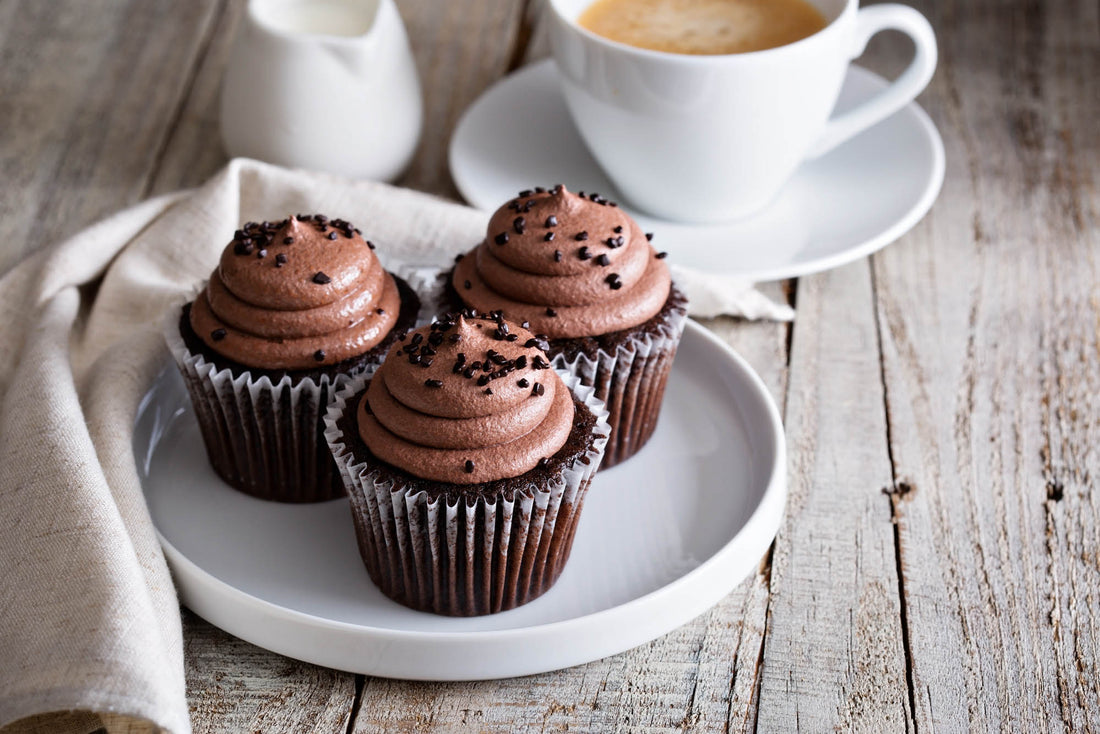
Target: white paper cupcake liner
422	279
631	382
262	437
464	556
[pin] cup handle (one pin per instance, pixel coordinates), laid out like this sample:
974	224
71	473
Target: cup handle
902	90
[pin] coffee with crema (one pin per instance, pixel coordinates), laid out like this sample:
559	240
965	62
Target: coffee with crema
703	27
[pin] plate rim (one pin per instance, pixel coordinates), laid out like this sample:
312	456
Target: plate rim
768	513
916	212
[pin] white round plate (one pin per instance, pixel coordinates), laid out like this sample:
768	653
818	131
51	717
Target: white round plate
663	538
845	205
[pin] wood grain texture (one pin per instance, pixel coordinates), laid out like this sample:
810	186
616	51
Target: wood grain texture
989	317
233	686
833	653
90	90
460	49
192	151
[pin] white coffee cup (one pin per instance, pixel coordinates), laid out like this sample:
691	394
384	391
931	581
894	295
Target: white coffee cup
327	85
714	138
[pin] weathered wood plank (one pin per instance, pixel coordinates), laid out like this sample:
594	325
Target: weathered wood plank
89	92
233	686
833	652
193	150
460	48
989	320
701	677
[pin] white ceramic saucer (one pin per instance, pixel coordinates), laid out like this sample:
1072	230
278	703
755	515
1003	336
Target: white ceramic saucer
857	199
663	537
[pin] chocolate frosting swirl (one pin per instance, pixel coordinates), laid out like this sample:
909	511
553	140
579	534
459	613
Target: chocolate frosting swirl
570	265
466	400
296	294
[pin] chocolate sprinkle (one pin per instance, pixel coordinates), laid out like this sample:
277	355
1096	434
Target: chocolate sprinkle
661	255
649	236
217	334
581	236
321	279
261	254
433	383
537	389
549	237
280	260
584	254
551	221
370	244
603	259
618	229
467	284
557	256
501	238
551	312
488	391
614	281
288	240
332	235
319	355
469	466
380	311
519	224
523	382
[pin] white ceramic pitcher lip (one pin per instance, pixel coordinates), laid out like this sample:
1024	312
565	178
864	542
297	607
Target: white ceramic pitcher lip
850	7
261	23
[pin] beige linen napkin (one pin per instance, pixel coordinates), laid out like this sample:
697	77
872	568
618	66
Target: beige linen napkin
89	621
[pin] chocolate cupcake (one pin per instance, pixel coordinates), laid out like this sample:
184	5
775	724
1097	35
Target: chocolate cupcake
581	272
293	310
467	458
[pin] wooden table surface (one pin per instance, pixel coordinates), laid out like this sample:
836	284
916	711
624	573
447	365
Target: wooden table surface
939	565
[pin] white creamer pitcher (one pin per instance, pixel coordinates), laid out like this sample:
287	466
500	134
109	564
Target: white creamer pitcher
323	84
